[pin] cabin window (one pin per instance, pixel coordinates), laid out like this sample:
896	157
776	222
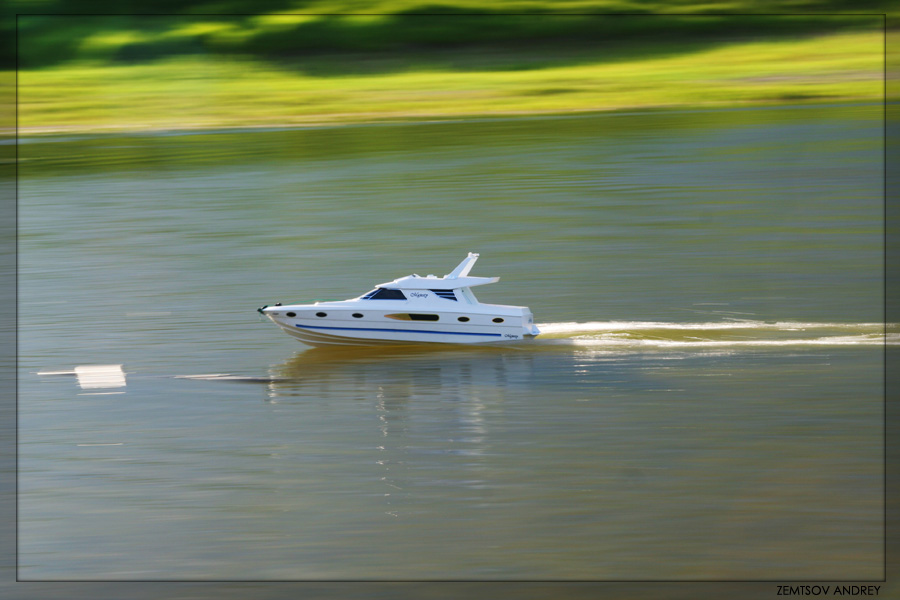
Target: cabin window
413	317
291	314
497	320
384	294
421	317
321	314
463	319
445	294
357	315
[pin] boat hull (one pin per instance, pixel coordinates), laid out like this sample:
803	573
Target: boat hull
380	329
324	335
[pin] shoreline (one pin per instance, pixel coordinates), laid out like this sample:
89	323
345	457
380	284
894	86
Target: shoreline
46	132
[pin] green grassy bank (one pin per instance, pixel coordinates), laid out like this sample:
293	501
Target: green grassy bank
213	91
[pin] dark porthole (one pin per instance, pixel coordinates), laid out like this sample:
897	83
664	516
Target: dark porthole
291	314
463	319
498	320
321	314
357	315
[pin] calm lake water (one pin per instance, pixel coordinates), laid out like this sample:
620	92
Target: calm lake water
706	401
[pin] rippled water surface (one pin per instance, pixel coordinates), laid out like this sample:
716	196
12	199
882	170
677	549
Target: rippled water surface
705	401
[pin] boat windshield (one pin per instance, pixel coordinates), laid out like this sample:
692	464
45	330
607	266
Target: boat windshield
384	294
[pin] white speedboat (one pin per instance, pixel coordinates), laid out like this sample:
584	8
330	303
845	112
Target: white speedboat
411	309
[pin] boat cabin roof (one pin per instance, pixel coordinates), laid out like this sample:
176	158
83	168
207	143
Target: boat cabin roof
458	278
416	282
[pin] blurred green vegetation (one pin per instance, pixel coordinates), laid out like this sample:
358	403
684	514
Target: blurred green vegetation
198	92
56	31
210	63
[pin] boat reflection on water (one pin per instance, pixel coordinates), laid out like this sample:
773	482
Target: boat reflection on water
401	374
407	412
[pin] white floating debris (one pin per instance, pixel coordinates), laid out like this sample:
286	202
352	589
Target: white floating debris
100	376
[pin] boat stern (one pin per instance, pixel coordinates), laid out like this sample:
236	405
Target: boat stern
529	328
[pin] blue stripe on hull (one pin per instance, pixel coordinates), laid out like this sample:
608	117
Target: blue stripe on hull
399	330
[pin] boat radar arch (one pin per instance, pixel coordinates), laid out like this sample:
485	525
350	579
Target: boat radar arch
463	268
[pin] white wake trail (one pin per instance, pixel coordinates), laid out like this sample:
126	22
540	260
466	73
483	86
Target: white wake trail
732	333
